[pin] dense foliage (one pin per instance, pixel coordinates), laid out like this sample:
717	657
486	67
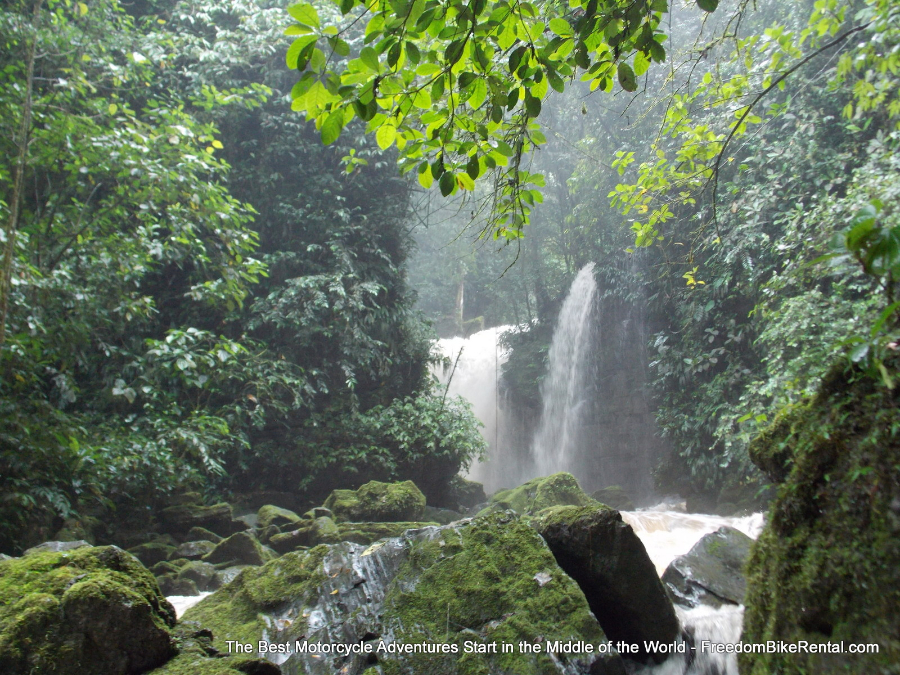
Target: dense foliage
199	294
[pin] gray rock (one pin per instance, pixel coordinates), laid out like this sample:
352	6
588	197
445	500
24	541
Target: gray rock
712	572
193	550
610	564
171	585
442	516
180	519
488	580
202	574
227	575
615	497
56	546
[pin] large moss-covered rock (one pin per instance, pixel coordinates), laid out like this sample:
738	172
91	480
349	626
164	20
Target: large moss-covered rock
604	555
90	610
825	567
192	550
559	489
378	502
712	572
486	581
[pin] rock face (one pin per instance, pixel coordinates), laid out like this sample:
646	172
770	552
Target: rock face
608	561
376	501
712	572
560	489
825	567
91	609
478	582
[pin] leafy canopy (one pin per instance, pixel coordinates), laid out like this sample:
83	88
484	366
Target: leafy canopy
457	85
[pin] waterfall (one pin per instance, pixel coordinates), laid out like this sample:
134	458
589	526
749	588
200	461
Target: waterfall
565	389
478	360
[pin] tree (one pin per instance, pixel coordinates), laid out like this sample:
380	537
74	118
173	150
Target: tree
457	86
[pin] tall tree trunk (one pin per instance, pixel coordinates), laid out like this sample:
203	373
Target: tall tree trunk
18	177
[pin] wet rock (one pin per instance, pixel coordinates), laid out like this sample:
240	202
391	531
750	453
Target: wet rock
560	489
204	575
62	610
169	585
242	548
193	550
273	515
202	534
378	502
712	572
268	533
180	519
614	497
227	575
465	493
491	580
291	541
56	547
366	533
167	567
152	552
442	516
608	561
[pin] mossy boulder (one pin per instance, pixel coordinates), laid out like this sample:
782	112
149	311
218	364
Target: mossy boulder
274	515
91	609
465	493
322	530
610	564
192	550
486	581
203	574
825	567
559	489
712	572
171	584
152	552
242	548
378	502
181	518
202	534
615	497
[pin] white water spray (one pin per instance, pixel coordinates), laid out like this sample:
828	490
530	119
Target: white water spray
478	359
564	391
667	534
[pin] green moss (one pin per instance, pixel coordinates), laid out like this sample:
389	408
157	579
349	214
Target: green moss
378	502
274	515
478	583
196	662
825	567
366	533
48	600
560	489
232	613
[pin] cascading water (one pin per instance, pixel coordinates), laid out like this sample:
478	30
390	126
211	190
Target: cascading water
478	360
667	534
564	391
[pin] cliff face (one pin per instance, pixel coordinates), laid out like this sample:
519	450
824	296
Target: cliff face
825	567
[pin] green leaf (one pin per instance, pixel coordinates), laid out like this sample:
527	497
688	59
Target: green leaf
447	183
331	129
708	5
532	105
370	58
385	136
627	79
297	46
305	13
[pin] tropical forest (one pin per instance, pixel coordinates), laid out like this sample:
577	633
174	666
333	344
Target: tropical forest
449	337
